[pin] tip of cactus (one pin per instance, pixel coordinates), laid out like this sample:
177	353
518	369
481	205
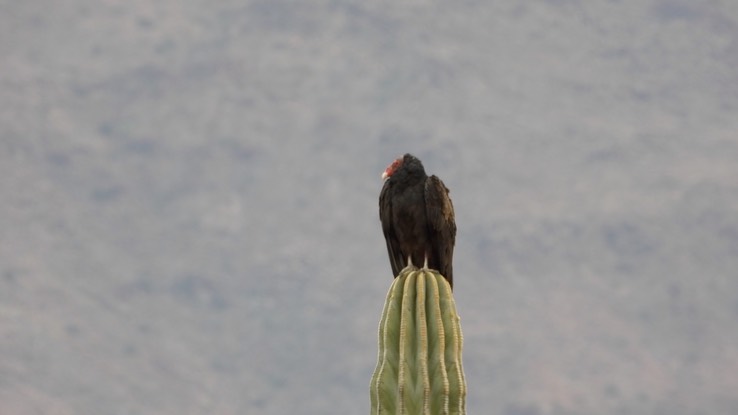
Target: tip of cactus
419	366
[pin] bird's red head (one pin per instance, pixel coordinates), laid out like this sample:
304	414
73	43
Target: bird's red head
390	170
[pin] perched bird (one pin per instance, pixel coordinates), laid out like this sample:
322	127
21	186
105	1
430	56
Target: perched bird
417	218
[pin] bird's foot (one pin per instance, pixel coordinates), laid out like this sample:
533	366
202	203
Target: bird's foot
426	268
408	268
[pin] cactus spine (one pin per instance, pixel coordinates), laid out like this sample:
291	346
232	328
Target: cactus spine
419	368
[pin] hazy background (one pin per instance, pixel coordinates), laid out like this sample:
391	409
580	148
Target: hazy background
189	201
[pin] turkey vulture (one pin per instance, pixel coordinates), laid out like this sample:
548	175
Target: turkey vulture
417	218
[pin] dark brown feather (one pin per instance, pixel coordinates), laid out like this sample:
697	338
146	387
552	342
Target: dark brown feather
441	227
385	216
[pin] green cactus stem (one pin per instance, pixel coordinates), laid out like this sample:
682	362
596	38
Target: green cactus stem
419	368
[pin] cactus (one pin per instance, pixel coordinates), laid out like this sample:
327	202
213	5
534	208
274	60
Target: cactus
419	368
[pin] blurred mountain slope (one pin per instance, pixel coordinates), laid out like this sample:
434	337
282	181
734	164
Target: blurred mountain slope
190	201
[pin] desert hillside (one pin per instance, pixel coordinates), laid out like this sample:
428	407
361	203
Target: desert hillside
189	201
